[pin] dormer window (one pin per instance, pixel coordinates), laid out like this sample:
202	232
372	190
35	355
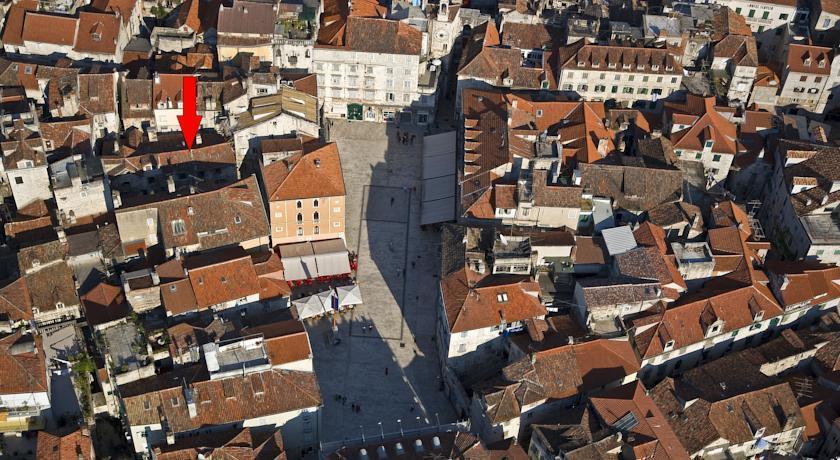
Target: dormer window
654	67
612	65
178	227
807	61
669	345
59	305
190	211
821	64
539	113
626	66
502	297
759	315
237	220
581	63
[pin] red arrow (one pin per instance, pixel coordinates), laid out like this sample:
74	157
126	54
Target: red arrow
189	120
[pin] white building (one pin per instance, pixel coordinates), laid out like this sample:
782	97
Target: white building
623	73
372	70
799	213
807	79
24	390
475	312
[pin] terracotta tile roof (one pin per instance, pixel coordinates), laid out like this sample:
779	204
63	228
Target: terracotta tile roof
373	35
292	178
247	17
526	36
336	13
97	33
730	214
827	360
237	209
73	446
633	187
483	59
823	164
809	59
725	241
553	196
13	30
223	281
668	214
687	322
483	305
556	373
707	125
97	93
812	283
652	436
105	303
52	284
733	419
652	235
590	250
22	371
67	136
198	15
741	49
122	8
727	22
235	443
765	76
650	264
617	59
217	402
45	28
579	126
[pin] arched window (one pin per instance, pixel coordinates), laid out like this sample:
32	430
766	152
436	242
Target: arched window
299	218
299	204
316	216
315	203
317	230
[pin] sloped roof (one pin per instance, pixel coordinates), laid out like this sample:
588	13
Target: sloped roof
293	177
218	402
105	303
76	445
22	371
482	306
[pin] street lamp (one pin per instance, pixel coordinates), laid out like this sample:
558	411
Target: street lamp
381	431
363	433
399	422
438	420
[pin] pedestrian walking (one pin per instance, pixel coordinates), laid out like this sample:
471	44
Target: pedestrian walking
353	407
412	139
392	201
412	408
386	371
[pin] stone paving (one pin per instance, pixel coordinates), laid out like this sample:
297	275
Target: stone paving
397	273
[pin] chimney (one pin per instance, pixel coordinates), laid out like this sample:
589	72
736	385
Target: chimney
62	236
317	162
198	138
170	184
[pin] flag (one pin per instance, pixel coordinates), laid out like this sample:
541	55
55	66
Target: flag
334	299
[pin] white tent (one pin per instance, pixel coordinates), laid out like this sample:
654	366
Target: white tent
307	307
349	295
320	303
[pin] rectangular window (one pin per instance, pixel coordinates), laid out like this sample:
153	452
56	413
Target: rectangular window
765	15
783	16
751	14
698	156
716	158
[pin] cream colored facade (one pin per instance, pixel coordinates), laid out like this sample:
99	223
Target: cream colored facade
306	219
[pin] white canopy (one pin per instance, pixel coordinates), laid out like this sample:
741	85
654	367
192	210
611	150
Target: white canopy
310	260
319	303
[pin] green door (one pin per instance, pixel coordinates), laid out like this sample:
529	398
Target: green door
354	111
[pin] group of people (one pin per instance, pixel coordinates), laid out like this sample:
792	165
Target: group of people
405	138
